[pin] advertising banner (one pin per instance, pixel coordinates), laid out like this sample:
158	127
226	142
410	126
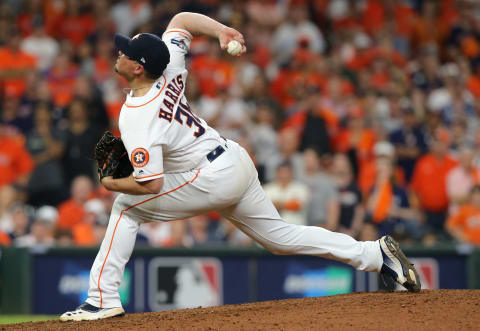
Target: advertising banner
149	284
153	283
298	277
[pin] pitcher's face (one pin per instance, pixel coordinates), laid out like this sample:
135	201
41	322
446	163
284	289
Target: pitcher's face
125	66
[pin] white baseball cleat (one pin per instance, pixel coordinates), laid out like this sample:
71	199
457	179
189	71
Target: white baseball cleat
397	266
87	312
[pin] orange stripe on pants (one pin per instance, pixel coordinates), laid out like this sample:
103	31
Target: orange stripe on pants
118	220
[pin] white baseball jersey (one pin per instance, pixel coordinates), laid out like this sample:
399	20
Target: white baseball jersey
164	138
159	130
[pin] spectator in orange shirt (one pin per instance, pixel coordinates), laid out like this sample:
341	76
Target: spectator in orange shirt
465	224
374	16
72	211
305	75
429	181
357	140
91	230
14	66
382	150
389	206
430	27
75	25
213	71
61	79
16	164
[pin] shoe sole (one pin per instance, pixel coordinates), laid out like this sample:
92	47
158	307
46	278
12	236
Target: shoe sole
87	316
413	283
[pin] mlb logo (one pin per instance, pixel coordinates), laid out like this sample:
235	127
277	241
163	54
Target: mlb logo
177	282
180	43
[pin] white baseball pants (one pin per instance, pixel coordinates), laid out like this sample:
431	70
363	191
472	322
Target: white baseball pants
230	186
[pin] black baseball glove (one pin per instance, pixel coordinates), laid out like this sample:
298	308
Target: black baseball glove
112	157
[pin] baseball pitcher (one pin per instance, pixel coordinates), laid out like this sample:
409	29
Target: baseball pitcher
182	168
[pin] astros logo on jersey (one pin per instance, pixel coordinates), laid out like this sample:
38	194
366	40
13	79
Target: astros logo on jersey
139	157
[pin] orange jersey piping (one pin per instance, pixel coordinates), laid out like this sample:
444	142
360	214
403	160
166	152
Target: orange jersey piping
159	92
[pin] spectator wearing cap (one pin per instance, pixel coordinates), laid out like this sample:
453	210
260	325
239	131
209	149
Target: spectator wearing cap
429	181
290	197
323	207
41	231
462	178
409	141
382	150
352	212
464	224
72	211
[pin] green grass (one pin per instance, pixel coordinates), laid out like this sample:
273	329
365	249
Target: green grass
7	319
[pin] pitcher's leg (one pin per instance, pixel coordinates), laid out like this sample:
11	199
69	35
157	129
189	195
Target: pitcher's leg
257	217
107	271
128	212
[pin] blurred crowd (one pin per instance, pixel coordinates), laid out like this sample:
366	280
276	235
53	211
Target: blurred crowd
361	115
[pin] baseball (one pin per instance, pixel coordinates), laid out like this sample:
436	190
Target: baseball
234	48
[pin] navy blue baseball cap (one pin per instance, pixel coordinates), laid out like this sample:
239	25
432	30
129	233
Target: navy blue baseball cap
145	48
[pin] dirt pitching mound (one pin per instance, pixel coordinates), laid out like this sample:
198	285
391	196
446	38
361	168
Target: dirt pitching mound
428	310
